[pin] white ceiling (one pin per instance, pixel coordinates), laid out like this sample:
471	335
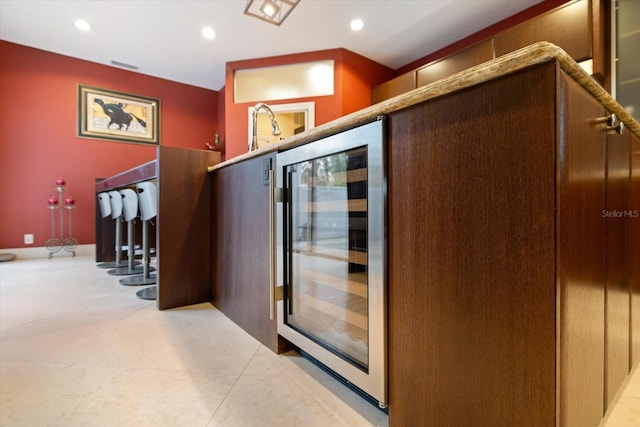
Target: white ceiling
163	38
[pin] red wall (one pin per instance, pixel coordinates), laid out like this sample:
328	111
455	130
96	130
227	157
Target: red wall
354	77
38	142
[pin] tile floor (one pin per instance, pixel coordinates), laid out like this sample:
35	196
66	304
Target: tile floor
79	349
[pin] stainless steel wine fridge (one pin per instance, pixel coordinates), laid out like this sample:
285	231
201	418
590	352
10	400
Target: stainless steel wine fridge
331	253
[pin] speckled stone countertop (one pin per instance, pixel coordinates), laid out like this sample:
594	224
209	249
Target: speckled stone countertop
531	55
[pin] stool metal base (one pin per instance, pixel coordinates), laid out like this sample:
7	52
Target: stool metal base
112	264
125	271
138	280
150	293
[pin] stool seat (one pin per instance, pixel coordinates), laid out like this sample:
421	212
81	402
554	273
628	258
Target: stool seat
148	199
105	205
148	203
129	204
111	205
115	199
129	201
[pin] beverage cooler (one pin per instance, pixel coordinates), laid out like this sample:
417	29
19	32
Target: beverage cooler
331	253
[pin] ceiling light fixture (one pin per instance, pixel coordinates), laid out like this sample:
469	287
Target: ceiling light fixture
271	11
208	33
81	24
357	24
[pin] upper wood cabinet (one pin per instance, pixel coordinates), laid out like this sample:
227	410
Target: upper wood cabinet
467	58
568	27
393	87
576	27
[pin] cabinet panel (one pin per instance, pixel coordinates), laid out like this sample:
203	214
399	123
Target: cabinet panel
393	87
581	256
467	58
183	226
568	27
240	226
472	256
617	287
634	249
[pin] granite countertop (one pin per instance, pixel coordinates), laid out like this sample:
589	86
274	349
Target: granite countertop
531	55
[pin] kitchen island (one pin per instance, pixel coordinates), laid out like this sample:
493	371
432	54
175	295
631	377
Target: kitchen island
513	230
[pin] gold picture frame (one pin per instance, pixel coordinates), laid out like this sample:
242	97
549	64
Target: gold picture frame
117	116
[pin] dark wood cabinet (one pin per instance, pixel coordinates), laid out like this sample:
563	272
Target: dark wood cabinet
617	219
634	249
183	226
507	281
460	61
569	27
580	28
580	150
241	245
393	87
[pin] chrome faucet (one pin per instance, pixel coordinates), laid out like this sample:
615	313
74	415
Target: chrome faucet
275	129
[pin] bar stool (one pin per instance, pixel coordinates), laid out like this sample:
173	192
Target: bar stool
148	203
148	199
104	201
111	204
129	203
105	211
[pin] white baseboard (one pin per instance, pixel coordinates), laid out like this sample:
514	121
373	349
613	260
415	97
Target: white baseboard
42	252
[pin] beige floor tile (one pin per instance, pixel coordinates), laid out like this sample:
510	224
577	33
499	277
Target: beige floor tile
79	349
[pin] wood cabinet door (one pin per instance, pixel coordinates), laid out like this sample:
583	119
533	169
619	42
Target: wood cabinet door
634	249
617	220
568	27
459	61
393	87
240	237
472	304
581	250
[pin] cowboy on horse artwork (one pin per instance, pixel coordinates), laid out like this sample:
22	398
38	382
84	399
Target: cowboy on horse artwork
118	116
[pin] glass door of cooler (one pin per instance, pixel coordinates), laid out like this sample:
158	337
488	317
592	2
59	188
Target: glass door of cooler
328	282
331	253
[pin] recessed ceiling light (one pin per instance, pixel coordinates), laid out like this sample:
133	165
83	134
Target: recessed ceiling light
357	24
81	24
208	33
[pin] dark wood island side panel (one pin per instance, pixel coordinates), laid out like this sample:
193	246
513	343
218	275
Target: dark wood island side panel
472	256
183	226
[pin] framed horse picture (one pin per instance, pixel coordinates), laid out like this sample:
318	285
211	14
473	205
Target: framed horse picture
117	116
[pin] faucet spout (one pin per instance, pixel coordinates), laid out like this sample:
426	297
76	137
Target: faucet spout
275	129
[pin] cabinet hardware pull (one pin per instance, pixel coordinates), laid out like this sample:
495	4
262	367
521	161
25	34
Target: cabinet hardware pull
272	249
613	125
610	120
618	128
